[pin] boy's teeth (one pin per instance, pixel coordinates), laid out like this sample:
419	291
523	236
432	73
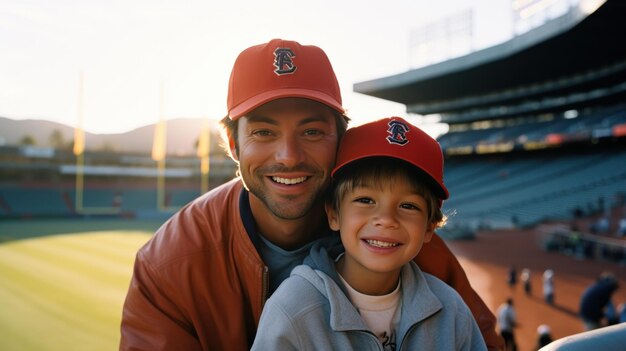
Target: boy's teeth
379	243
289	181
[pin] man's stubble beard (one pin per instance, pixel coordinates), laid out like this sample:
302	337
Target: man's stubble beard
285	209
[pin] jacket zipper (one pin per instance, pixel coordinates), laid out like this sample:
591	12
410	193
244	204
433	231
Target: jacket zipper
400	345
376	341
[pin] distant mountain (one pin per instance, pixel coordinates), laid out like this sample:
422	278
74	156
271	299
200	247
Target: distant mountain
182	134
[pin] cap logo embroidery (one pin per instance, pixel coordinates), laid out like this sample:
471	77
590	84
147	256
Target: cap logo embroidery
397	133
283	61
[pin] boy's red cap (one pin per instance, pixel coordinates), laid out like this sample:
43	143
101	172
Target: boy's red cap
280	69
396	138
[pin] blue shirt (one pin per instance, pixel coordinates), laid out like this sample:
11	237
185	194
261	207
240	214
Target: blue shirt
279	261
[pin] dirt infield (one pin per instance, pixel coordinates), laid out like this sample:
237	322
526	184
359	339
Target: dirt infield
488	258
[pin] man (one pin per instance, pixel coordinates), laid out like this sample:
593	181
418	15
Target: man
200	283
507	322
596	299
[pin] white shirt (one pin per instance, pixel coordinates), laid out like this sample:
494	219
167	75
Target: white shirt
506	317
380	313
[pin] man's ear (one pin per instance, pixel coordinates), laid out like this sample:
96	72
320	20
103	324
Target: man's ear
333	217
233	148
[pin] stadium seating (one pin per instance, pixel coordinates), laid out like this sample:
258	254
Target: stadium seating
33	202
524	192
557	129
43	201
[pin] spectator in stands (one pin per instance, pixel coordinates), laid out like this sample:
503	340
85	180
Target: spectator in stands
595	299
507	321
548	286
621	228
200	282
578	212
525	278
601	226
511	278
543	336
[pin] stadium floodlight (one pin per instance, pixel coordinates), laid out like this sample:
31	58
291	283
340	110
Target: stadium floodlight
440	40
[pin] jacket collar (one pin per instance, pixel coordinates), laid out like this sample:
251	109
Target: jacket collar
417	306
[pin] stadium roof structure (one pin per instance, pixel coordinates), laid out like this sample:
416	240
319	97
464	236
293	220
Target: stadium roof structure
575	60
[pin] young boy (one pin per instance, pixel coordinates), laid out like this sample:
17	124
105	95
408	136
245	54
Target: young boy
386	203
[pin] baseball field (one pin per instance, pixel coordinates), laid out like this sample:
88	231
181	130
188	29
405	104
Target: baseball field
63	283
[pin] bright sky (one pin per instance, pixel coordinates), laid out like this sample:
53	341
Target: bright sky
127	48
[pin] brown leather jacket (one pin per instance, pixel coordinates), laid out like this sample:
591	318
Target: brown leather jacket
199	283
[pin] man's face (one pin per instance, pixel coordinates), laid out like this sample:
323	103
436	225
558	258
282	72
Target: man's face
286	151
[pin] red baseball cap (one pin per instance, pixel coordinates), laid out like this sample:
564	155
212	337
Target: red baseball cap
279	69
396	138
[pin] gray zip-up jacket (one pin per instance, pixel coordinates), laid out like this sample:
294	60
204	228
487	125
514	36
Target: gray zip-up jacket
310	311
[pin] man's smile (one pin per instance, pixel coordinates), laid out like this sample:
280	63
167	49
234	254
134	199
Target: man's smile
289	181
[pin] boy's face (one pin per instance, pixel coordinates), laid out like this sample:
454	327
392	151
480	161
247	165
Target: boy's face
382	227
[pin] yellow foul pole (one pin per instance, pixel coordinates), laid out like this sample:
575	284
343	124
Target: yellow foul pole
159	151
204	148
79	149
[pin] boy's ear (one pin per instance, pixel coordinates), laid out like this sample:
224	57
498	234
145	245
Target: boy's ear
430	230
333	219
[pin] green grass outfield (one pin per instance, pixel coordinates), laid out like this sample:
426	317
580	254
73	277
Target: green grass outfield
63	283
